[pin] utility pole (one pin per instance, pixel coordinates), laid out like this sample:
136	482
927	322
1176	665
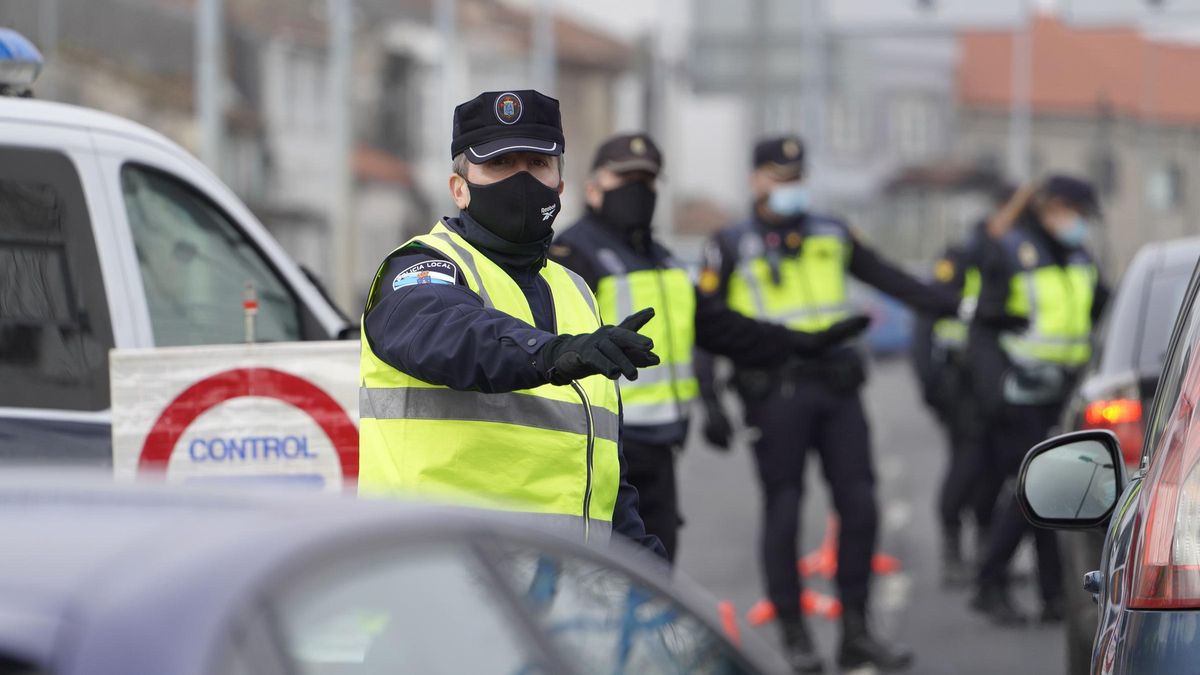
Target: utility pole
342	230
814	89
1020	112
207	80
544	56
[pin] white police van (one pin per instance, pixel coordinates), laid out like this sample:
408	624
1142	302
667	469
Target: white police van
112	236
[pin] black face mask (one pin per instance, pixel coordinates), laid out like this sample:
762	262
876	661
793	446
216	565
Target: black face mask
630	206
519	208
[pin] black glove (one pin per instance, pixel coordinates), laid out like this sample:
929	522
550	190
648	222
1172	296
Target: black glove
611	351
717	429
812	344
1005	322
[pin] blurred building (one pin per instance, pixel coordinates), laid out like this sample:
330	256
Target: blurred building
888	100
1108	102
136	58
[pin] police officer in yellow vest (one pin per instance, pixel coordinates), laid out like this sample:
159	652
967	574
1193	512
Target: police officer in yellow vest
1032	330
487	376
613	248
789	265
939	348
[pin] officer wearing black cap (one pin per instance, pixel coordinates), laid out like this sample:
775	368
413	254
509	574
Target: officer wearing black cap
613	248
1032	331
790	265
487	377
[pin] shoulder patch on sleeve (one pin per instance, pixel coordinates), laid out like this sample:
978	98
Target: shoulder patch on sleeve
943	271
427	272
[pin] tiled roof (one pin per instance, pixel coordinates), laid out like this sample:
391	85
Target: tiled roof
1084	70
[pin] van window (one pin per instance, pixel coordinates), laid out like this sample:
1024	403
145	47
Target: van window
196	265
55	331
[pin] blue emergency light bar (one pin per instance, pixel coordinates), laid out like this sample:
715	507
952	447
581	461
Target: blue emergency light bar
20	62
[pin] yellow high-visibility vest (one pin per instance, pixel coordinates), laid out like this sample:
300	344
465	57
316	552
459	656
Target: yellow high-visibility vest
550	451
951	332
811	293
1057	301
662	393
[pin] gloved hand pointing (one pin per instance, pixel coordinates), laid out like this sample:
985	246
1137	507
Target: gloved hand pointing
812	344
611	351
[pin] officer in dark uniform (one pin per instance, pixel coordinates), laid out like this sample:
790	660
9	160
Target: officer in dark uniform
613	248
791	266
484	365
1040	294
939	348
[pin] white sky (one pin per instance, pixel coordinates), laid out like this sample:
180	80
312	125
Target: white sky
627	18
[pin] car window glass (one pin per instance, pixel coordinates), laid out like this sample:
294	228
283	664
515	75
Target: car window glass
1171	382
1163	297
424	611
196	265
609	622
55	332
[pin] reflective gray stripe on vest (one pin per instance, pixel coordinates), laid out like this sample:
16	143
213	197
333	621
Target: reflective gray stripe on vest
567	527
527	410
658	375
586	292
469	261
756	291
654	414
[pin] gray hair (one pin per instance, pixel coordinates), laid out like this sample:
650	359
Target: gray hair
459	164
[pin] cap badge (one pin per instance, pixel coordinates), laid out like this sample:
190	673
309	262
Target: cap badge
637	146
1027	254
791	149
508	108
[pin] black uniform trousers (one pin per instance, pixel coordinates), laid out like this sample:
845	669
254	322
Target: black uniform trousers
973	478
651	469
803	412
1019	428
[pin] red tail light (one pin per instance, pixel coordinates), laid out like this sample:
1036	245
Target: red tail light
1166	557
1123	417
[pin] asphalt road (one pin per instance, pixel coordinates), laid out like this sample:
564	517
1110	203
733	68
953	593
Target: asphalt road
720	540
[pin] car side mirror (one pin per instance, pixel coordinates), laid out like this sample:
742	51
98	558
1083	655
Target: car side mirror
1072	482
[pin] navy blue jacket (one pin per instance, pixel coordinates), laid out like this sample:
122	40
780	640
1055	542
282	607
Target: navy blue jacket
440	332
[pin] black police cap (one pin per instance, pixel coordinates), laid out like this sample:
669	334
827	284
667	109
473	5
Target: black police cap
498	122
628	152
783	153
1074	191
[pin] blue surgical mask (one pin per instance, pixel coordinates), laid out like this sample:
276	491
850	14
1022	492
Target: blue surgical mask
788	200
1075	234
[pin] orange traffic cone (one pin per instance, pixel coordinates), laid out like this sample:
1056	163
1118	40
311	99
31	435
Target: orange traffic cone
823	561
819	604
762	612
729	622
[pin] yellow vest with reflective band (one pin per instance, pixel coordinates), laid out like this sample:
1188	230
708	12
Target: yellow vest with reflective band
1057	301
661	394
811	293
549	451
951	333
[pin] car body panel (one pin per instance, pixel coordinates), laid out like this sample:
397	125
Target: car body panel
121	563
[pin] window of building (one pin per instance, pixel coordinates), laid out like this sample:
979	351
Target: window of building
848	127
55	331
914	124
1165	187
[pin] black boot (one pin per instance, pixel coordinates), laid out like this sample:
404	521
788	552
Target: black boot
995	603
798	647
955	573
860	648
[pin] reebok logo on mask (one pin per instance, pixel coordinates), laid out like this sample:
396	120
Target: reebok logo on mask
548	212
